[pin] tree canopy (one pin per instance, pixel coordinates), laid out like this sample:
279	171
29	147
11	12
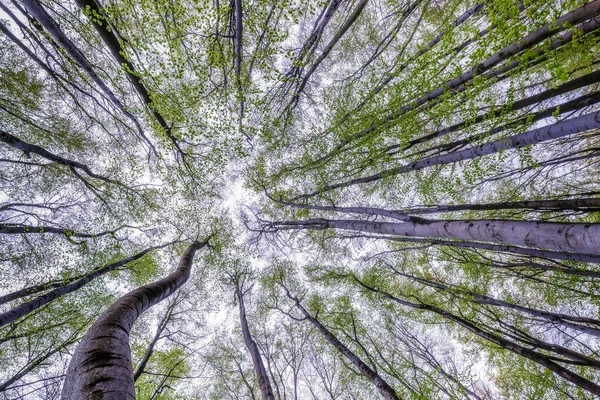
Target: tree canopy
345	199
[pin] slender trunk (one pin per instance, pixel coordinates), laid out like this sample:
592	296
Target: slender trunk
458	84
569	321
538	358
382	386
586	204
259	367
586	80
108	33
344	28
522	251
28	148
101	367
35	8
565	237
579	103
24	229
32	305
141	366
579	124
37	288
35	363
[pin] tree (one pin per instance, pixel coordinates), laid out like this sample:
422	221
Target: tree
410	186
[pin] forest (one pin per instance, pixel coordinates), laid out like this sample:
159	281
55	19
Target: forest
285	199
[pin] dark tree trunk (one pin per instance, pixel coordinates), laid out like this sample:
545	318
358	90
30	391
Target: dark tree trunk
32	305
532	355
382	386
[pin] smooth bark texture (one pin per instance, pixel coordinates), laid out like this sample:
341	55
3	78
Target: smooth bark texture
382	386
101	367
562	237
584	204
588	79
579	124
32	305
259	368
459	83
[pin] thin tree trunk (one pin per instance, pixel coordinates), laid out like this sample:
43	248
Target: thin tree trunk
568	321
28	148
101	367
37	288
585	204
6	385
382	386
579	103
500	341
355	14
522	251
458	84
579	124
35	8
107	33
26	308
259	368
141	366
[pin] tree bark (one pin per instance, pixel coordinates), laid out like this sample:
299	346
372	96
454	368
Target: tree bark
35	8
32	305
458	84
564	237
101	367
382	386
579	124
141	366
259	368
532	355
588	79
28	148
569	321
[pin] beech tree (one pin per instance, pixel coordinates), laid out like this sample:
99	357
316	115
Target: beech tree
394	199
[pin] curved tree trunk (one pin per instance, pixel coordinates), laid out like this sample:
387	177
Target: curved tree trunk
261	373
101	367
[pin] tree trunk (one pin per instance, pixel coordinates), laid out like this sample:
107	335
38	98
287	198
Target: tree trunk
573	322
539	358
565	237
141	366
35	8
382	386
32	305
458	84
569	127
261	373
101	367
